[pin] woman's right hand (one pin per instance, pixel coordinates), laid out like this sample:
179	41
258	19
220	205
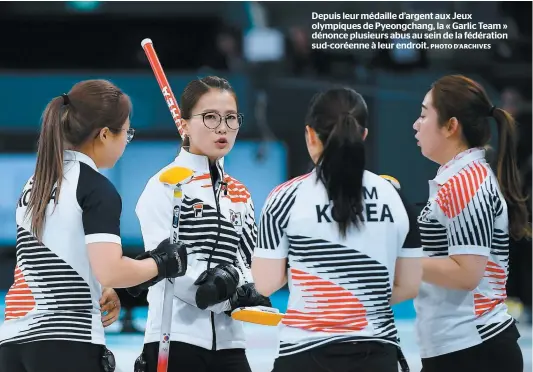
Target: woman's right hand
171	261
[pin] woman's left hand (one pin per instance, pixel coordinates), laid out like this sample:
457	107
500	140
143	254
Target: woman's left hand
109	306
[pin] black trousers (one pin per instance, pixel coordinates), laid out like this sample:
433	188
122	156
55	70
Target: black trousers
342	357
500	353
519	283
51	356
189	358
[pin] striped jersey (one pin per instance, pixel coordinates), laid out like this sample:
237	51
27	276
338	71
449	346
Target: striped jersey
339	287
465	214
55	295
217	223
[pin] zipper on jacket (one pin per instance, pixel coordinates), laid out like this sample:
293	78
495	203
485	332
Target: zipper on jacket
216	194
213	330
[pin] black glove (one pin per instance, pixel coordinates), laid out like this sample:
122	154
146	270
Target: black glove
216	285
140	364
247	296
171	261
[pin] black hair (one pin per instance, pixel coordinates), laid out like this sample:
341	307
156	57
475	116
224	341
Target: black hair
339	117
195	90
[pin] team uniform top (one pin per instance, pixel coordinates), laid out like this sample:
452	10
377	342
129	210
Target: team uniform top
466	214
217	223
55	295
339	287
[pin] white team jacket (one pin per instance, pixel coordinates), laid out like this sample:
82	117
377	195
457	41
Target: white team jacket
217	223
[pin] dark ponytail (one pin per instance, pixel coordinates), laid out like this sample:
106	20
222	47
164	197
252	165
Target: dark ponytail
339	117
340	168
49	167
509	176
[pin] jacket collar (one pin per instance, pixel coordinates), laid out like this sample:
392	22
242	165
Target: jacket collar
460	161
71	155
198	163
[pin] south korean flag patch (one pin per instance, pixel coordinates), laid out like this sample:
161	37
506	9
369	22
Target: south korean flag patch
235	218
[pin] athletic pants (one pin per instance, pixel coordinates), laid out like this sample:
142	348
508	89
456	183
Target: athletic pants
366	356
500	353
51	356
520	271
190	358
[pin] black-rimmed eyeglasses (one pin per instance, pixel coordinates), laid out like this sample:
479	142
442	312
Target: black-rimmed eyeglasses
213	119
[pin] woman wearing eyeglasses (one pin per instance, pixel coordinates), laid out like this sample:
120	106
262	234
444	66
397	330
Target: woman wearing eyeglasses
68	239
217	225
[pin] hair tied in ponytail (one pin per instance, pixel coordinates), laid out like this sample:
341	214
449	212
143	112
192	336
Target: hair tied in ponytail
339	116
66	100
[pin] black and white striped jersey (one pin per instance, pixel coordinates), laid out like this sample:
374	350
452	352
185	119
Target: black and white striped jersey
217	222
55	295
466	214
339	287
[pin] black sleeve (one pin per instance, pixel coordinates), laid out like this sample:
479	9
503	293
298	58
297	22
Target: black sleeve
412	240
101	205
